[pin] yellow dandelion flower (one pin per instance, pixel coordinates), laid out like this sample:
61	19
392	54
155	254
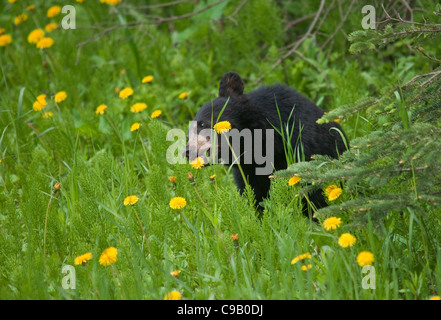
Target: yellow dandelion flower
130	200
147	79
135	126
303	256
330	188
125	93
334	194
435	298
138	107
108	256
12	1
53	11
177	203
222	127
44	43
197	163
5	39
306	267
60	96
294	180
100	109
48	115
40	103
51	27
111	2
175	273
83	258
365	258
212	177
156	114
20	18
35	36
174	295
346	240
80	1
332	223
30	7
183	95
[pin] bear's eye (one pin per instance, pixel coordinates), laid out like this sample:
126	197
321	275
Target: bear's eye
202	125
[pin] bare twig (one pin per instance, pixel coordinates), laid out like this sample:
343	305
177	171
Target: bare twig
239	7
433	74
299	42
297	21
154	6
340	25
426	55
155	20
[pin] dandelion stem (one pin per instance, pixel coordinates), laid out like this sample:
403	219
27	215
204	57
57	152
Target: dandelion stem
217	229
145	151
238	164
45	223
143	231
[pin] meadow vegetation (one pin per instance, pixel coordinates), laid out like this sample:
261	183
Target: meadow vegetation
84	179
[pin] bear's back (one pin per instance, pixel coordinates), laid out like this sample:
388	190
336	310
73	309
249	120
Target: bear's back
270	101
278	98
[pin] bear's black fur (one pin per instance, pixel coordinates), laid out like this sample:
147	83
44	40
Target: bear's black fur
257	110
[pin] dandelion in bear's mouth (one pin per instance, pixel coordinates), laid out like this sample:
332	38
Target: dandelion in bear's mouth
222	127
135	126
294	180
138	107
332	223
108	256
365	258
130	200
197	163
125	93
347	240
83	258
100	109
177	203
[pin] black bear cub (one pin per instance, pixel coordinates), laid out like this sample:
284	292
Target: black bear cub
253	117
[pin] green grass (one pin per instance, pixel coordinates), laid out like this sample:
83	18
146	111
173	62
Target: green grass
99	162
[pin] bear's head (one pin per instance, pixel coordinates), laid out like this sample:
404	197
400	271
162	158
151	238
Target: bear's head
231	105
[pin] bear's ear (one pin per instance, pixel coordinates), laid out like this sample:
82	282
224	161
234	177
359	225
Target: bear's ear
230	85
